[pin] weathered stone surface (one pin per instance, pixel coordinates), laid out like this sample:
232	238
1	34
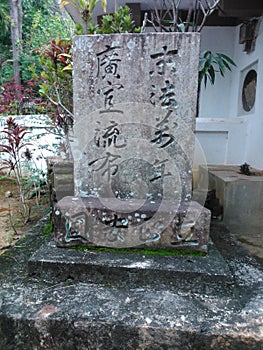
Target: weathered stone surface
207	274
157	224
135	102
241	197
49	313
60	178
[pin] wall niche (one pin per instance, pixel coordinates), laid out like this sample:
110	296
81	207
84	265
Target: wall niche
248	89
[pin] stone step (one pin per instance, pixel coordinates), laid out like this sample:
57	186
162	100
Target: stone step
199	274
52	314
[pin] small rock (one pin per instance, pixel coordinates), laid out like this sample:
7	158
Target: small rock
8	194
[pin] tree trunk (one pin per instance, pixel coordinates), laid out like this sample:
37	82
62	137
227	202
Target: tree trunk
16	35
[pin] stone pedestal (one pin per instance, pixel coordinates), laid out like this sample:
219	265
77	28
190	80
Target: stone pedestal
87	221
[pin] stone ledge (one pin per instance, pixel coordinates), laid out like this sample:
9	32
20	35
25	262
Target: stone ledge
208	274
47	314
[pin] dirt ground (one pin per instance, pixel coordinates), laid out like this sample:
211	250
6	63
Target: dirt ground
12	223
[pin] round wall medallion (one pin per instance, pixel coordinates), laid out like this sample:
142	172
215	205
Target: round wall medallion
249	90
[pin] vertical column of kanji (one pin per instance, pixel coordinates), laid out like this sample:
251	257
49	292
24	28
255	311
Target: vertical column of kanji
106	141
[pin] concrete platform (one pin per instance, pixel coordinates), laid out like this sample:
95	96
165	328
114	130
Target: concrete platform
210	274
69	312
241	197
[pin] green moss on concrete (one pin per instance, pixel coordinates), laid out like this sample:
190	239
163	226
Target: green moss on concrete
142	251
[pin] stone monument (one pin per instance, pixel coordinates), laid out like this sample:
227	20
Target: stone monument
133	144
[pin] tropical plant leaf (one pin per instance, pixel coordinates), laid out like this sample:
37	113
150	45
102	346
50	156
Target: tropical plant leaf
209	64
211	74
69	67
63	3
221	66
228	59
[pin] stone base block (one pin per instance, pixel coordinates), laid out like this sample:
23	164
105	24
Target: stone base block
239	195
106	222
60	178
196	274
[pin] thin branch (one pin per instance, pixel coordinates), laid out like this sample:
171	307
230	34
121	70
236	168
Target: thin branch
197	17
210	10
177	11
152	23
157	14
174	14
59	103
144	22
188	18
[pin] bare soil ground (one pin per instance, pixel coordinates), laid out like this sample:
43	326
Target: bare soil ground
12	223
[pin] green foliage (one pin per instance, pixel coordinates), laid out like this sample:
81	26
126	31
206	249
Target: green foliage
42	21
120	22
6	69
4	18
210	64
56	86
85	9
36	33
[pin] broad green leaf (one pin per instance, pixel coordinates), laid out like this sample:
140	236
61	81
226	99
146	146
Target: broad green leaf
221	66
92	4
226	65
205	79
68	67
211	73
228	59
83	4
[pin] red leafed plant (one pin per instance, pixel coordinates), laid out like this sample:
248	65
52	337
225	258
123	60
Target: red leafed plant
13	144
56	85
57	51
20	99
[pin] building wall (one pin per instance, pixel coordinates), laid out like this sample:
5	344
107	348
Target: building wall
254	149
228	134
214	100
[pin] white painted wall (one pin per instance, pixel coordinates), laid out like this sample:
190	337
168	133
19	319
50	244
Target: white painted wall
254	150
219	104
214	100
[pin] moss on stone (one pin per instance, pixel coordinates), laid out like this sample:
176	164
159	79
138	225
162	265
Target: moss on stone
142	251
